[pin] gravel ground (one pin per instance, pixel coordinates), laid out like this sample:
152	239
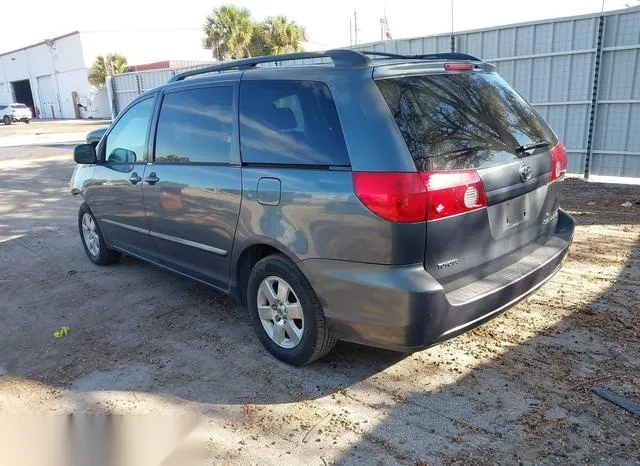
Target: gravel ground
141	340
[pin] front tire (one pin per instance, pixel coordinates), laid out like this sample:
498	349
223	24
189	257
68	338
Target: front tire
6	120
286	313
92	240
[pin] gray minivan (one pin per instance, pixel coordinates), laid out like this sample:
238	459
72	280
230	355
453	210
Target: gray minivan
389	200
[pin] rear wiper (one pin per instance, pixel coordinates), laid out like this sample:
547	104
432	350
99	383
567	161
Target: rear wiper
533	145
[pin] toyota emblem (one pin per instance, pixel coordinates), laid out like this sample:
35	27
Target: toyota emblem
525	172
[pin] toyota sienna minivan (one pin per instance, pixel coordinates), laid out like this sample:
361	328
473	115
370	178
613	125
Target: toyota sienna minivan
394	201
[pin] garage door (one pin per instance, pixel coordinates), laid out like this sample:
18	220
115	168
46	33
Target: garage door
48	102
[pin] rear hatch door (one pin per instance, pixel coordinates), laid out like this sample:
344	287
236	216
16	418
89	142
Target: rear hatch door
475	122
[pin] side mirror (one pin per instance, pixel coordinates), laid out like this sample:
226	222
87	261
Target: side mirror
119	155
85	153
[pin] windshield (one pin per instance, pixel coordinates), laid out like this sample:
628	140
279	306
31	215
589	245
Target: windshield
18	106
463	120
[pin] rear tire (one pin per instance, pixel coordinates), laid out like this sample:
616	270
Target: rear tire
312	339
6	120
27	121
92	240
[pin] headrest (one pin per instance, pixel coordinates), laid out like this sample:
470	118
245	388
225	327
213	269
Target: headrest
279	119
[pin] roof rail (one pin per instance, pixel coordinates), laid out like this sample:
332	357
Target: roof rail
429	56
340	57
382	54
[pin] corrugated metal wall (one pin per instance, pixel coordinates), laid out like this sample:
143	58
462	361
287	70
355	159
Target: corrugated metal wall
551	63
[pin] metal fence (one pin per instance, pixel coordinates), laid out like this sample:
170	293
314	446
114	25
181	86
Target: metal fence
582	74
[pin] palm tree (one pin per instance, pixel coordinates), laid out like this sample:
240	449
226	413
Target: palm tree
279	35
228	32
107	65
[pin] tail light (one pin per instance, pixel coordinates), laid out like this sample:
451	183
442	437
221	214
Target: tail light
453	192
558	162
398	197
416	197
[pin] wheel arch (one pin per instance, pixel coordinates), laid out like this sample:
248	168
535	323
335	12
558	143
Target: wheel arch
247	255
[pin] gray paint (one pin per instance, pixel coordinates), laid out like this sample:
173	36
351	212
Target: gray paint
268	191
320	216
198	204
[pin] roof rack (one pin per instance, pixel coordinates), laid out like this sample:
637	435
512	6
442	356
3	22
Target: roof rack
340	57
429	56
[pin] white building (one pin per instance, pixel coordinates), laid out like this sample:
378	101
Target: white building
51	76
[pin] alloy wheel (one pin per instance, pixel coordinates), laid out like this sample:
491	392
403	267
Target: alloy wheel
280	312
90	235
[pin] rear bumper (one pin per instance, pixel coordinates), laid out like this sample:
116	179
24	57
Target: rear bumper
404	308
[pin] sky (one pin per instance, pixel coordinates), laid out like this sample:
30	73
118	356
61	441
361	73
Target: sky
326	21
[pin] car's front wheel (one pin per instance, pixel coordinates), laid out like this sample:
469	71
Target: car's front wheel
6	120
286	313
92	239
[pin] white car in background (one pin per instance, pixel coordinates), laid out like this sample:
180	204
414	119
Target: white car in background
15	112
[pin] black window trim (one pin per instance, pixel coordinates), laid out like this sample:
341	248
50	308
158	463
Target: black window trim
102	146
298	166
234	151
327	167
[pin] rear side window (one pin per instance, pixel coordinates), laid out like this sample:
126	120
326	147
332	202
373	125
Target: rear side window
290	122
195	125
462	120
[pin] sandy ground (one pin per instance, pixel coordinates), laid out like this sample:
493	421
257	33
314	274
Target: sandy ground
141	340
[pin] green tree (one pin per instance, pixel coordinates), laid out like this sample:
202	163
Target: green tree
228	32
107	65
231	33
277	35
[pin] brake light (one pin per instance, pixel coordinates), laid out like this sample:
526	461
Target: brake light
398	197
453	192
558	162
416	197
458	66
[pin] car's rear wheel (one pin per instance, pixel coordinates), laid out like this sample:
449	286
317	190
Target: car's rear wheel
92	239
286	313
27	121
6	120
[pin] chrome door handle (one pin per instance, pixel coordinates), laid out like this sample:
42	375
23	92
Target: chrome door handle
152	178
135	179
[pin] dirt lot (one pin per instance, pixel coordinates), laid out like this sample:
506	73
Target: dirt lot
145	341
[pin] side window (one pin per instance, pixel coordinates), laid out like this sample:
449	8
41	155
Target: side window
195	125
126	141
290	122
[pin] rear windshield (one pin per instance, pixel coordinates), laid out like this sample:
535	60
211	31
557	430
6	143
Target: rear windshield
18	106
462	120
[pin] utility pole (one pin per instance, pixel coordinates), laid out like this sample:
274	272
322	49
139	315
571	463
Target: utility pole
453	39
350	32
381	29
355	27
